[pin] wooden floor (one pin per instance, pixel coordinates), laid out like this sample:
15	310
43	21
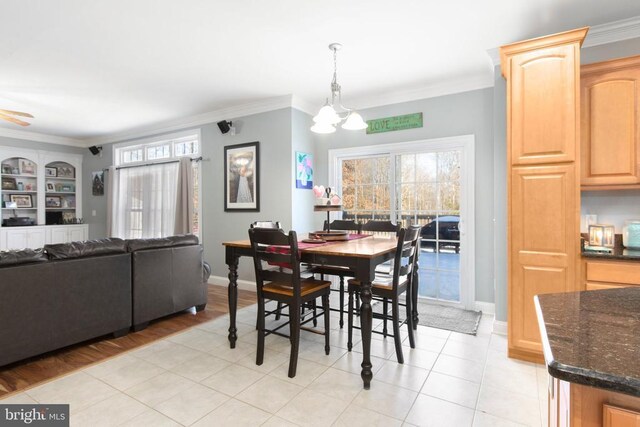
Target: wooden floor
25	374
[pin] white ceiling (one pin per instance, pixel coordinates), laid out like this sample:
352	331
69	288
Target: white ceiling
87	69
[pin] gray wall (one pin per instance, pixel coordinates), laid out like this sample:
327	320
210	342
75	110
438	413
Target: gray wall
302	200
90	203
451	115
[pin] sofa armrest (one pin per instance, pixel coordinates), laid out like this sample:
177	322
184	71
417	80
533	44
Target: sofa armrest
206	271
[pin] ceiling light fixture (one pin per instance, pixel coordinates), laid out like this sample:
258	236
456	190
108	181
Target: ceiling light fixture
327	118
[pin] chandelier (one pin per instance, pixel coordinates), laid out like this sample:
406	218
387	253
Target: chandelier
327	118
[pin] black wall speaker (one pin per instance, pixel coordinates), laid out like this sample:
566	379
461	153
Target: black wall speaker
224	126
95	150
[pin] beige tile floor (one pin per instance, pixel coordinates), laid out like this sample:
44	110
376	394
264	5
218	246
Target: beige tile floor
193	378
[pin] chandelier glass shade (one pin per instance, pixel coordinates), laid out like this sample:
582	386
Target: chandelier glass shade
328	118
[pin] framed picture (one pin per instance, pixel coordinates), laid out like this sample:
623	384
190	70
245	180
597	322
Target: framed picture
53	201
242	177
97	183
21	200
51	188
10	205
69	202
304	170
6	169
50	172
67	188
66	172
27	167
9	183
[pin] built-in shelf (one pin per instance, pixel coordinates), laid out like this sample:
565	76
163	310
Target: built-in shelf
61	209
19	191
19	176
61	192
19	209
58	178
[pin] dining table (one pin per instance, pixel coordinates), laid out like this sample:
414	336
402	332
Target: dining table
361	255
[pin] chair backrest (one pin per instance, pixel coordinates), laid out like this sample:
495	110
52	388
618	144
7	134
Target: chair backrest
266	224
386	227
274	247
343	225
407	253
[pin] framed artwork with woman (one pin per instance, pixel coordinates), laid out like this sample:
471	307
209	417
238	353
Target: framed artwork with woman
241	177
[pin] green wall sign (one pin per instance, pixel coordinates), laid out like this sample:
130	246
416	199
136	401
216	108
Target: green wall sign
389	124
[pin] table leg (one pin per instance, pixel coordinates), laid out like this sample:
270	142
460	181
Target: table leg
414	295
232	262
366	326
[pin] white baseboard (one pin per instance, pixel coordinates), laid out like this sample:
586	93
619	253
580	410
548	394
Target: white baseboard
486	307
500	327
246	285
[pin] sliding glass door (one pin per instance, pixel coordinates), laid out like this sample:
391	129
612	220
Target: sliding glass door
426	183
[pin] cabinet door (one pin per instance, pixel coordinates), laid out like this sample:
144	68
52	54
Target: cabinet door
618	417
542	98
36	238
77	234
58	235
611	125
543	227
16	239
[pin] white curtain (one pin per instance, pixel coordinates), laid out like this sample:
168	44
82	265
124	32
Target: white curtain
144	201
184	197
112	182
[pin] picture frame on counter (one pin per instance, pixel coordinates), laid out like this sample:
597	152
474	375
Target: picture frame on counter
51	172
21	200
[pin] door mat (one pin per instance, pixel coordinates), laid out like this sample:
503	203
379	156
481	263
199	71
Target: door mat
449	318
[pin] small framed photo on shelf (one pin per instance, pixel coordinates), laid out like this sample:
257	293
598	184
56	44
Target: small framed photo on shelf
27	167
50	187
51	172
9	183
68	188
10	205
66	172
22	200
53	201
69	202
6	169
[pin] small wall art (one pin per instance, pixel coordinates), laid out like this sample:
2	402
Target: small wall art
304	170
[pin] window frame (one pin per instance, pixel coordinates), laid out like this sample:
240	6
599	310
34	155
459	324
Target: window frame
465	143
172	139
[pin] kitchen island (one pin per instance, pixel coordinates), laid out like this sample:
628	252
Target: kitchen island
591	344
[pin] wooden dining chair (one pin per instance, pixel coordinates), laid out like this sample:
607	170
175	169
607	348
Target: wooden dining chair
273	246
384	228
266	224
391	288
341	272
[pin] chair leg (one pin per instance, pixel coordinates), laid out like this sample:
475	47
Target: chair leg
315	313
385	310
327	326
409	302
260	325
278	311
357	297
341	301
294	333
396	329
350	320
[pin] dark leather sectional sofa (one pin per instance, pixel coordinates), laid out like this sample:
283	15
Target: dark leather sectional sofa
68	293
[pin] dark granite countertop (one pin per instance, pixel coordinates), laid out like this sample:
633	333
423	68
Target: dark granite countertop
619	253
593	337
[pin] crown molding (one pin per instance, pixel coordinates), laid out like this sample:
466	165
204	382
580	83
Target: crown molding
228	113
611	32
303	105
42	137
449	87
598	35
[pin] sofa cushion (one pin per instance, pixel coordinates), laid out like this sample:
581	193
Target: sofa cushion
134	245
184	240
24	256
86	249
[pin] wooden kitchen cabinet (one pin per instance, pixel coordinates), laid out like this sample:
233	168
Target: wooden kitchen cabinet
543	92
610	124
606	274
618	417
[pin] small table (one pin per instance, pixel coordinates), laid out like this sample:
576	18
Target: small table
362	256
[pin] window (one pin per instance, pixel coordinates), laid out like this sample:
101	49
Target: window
155	152
429	183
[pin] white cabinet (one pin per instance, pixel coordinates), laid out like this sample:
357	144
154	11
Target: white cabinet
37	236
22	237
66	233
